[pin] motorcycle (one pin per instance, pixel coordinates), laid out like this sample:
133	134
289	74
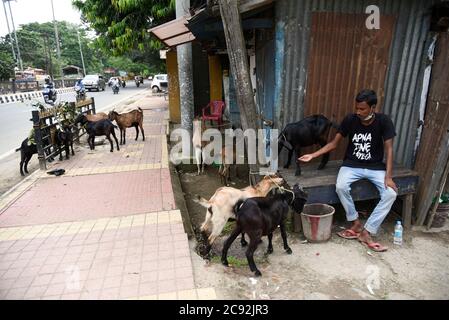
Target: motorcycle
115	88
49	93
137	83
123	83
80	93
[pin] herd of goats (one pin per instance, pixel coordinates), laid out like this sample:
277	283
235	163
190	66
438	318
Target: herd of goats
99	124
257	213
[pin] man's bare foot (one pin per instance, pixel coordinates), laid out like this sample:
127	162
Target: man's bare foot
357	226
365	236
353	232
366	239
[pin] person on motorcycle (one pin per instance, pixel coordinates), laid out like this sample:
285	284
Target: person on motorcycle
49	91
115	85
80	90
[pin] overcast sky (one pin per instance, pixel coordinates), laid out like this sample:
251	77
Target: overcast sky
26	11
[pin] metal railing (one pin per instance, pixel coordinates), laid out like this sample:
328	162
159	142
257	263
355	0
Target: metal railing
45	124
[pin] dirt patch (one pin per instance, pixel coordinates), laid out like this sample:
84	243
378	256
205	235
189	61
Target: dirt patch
337	269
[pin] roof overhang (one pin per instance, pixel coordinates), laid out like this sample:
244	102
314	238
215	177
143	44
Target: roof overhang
174	32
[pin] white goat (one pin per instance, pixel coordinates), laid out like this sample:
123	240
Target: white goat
220	207
198	144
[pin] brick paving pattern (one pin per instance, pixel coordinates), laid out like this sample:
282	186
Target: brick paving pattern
107	229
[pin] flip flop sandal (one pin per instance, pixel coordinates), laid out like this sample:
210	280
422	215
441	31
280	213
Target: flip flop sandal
375	246
348	234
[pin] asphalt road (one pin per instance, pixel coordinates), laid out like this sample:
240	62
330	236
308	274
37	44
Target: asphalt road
16	117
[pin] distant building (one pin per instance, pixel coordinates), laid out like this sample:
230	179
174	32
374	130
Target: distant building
73	72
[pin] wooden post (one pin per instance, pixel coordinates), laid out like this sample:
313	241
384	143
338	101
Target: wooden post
440	191
238	59
407	206
93	105
38	139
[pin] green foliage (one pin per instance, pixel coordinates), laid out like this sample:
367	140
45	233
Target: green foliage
38	50
233	261
122	24
6	61
229	226
38	47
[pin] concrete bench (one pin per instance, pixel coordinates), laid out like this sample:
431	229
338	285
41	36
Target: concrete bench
320	185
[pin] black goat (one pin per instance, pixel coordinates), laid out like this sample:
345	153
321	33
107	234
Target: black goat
26	152
307	132
259	217
98	128
65	138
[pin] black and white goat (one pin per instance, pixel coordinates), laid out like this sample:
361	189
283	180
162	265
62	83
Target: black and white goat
259	217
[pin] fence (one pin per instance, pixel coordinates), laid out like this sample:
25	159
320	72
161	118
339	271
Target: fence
45	124
21	97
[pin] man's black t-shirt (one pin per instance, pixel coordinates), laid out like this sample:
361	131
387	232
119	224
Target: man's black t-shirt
366	143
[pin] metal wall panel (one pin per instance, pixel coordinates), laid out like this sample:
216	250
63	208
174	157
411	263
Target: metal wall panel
404	72
344	58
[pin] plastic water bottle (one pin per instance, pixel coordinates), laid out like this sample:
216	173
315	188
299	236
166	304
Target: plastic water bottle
398	233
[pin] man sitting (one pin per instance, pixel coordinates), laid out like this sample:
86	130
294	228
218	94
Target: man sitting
370	137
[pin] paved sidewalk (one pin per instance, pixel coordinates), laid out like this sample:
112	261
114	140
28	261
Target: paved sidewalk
107	229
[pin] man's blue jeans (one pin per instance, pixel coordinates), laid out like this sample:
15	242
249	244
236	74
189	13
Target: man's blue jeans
346	176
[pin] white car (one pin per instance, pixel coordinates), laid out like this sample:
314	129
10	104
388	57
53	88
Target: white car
159	83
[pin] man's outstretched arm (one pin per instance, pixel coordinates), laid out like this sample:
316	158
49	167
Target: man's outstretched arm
327	148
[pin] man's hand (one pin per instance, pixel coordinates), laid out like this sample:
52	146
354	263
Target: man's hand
306	158
390	183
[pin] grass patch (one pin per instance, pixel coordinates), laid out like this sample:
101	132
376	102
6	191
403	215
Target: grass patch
233	261
229	226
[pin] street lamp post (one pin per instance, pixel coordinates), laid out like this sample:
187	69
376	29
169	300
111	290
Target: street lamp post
57	43
81	52
15	35
9	32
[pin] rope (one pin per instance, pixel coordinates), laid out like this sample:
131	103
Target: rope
282	189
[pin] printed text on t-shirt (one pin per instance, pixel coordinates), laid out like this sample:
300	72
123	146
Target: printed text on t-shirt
362	146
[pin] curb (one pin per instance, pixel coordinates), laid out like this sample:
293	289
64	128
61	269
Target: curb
18	190
181	203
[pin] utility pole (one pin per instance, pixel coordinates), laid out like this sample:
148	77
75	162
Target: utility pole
9	33
47	53
184	56
15	36
238	60
57	44
81	52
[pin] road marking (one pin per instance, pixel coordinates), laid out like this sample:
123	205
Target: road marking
7	154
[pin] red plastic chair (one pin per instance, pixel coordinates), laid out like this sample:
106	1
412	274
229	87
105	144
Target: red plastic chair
214	111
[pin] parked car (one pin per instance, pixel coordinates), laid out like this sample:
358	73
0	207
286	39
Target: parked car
160	83
94	81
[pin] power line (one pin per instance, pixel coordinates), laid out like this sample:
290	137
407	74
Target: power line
15	34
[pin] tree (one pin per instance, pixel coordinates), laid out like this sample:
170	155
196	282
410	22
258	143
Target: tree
38	46
6	61
122	25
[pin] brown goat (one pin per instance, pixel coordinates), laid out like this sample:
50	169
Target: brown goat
133	118
225	167
96	117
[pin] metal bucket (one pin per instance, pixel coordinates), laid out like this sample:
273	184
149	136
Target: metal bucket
316	221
